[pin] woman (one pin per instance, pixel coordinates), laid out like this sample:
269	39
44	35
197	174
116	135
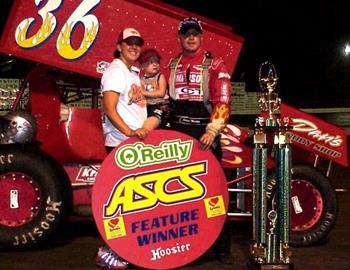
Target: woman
124	111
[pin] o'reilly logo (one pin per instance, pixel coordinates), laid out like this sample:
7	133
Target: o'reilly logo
130	156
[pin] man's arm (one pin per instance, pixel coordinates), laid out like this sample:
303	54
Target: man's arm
220	93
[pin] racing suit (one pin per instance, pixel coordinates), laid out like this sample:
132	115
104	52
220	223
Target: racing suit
199	92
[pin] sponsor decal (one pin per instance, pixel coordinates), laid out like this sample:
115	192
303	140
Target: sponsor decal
317	135
114	227
160	203
87	174
310	128
296	205
214	206
14	199
102	66
152	188
224	75
130	156
323	143
225	92
185	93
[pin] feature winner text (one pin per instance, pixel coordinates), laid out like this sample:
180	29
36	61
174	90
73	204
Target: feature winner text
165	228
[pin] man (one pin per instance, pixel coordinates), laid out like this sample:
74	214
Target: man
199	91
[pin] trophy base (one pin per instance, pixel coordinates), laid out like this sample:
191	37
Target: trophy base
252	265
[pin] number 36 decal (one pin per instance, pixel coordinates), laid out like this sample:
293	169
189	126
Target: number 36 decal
48	26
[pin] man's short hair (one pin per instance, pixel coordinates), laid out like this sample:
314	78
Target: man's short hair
189	23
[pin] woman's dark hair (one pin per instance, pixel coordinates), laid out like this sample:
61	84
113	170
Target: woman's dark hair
116	53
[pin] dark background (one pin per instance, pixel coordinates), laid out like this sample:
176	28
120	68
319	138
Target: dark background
305	40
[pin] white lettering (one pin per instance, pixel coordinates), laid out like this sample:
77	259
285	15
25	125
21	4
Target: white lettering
6	159
305	126
159	252
45	223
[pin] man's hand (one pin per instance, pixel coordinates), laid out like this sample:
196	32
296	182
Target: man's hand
206	140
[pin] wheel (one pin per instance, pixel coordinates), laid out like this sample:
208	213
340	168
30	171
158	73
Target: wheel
35	197
313	205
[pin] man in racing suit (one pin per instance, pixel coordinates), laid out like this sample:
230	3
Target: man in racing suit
199	91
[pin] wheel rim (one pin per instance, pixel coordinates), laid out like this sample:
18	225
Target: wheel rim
20	199
306	205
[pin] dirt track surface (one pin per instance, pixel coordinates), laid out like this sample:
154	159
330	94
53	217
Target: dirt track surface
76	247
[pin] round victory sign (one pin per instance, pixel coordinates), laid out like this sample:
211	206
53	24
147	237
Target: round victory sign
161	202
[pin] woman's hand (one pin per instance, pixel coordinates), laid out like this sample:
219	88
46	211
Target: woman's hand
141	133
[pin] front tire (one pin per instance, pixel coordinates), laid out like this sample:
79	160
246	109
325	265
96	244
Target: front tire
35	197
313	205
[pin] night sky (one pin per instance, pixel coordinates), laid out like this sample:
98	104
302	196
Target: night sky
305	40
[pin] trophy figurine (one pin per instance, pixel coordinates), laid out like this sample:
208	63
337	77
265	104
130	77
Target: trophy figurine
270	247
268	101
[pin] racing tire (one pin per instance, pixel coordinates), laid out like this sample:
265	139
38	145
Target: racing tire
35	197
313	205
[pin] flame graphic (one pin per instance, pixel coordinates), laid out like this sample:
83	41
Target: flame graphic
230	142
64	47
46	29
221	112
237	160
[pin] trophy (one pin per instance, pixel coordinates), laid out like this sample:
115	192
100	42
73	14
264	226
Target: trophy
268	101
270	247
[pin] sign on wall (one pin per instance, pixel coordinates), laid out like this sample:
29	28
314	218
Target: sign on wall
8	91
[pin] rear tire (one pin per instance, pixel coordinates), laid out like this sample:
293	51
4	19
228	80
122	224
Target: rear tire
35	197
313	205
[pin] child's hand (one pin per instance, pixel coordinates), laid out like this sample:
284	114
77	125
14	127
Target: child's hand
143	92
146	89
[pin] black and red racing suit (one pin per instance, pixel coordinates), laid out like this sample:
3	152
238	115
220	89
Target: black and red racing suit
199	91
